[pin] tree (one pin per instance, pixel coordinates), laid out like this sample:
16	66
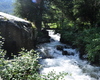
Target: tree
80	11
44	11
29	10
88	11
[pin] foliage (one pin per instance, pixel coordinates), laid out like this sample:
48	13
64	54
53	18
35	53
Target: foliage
93	46
76	19
45	13
83	13
24	67
28	11
80	11
89	39
54	76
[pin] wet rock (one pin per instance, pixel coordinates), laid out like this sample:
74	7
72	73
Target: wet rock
74	46
66	46
65	53
81	52
45	32
72	53
43	40
18	33
59	47
43	37
51	40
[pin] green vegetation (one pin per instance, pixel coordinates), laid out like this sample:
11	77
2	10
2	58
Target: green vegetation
79	25
29	11
87	39
24	67
78	21
80	11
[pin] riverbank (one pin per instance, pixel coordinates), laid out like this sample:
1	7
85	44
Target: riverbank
87	41
54	64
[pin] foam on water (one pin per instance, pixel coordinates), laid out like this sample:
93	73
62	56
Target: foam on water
76	68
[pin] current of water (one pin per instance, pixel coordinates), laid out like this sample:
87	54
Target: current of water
72	64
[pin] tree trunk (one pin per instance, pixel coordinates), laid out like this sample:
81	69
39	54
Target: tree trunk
38	22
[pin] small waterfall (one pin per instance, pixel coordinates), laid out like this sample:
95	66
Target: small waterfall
53	59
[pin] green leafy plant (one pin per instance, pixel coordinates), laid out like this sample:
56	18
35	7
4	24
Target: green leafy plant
87	39
24	67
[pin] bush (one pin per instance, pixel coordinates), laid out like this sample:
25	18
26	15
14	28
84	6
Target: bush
24	67
93	46
68	35
88	40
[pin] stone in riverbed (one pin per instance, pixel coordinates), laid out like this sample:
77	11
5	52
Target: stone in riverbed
43	37
59	47
65	53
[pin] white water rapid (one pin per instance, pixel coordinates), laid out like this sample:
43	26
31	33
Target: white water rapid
72	64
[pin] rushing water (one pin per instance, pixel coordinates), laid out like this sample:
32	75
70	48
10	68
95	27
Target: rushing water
72	64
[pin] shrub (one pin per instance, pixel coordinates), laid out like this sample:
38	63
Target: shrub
68	35
88	40
24	67
93	46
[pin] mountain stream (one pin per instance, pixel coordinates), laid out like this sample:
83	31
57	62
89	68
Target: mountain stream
52	59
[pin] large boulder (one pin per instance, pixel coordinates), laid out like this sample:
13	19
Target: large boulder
18	33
